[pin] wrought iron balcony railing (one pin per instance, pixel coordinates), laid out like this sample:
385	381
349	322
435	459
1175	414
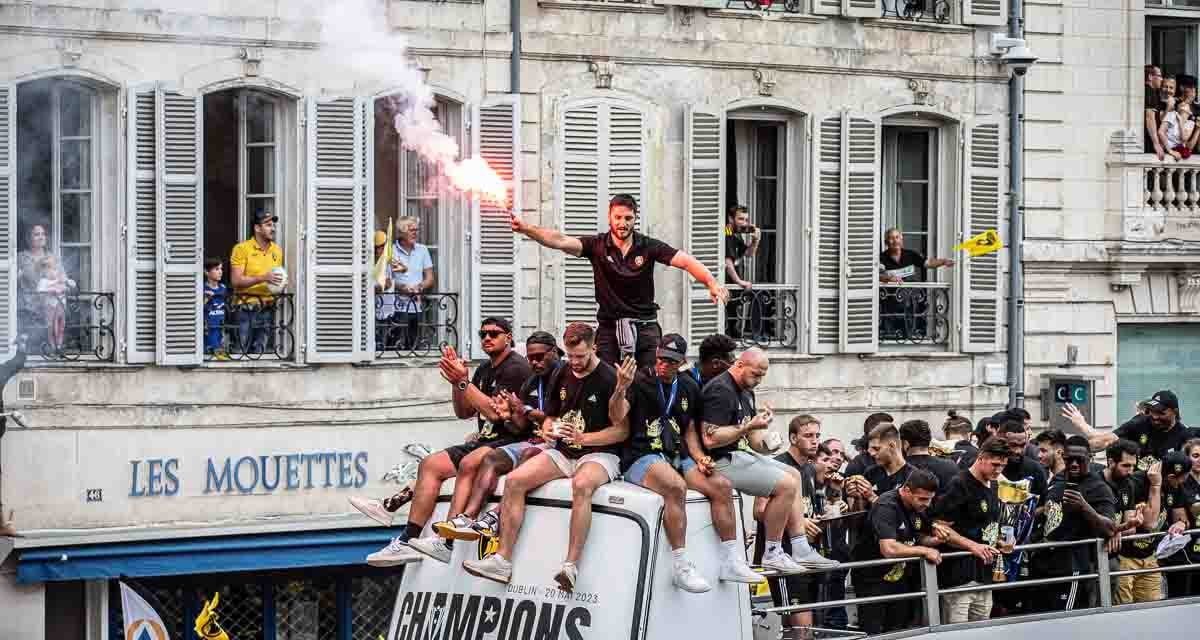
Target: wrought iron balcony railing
253	328
71	327
415	326
916	313
918	10
764	316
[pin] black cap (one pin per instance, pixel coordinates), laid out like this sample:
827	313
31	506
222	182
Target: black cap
262	216
1163	400
1176	463
673	347
503	323
543	337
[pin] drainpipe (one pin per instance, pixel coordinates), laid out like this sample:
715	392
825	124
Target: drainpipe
514	61
1016	222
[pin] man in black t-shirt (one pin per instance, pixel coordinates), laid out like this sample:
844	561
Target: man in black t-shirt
1020	466
737	222
863	461
1138	500
1152	144
585	449
716	356
889	472
915	437
897	527
902	317
1181	503
1078	506
623	268
971	509
662	408
505	370
1158	432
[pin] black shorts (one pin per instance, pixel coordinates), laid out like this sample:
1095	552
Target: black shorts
801	589
649	334
460	451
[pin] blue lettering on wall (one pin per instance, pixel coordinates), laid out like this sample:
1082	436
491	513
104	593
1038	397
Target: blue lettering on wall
360	467
211	478
170	471
253	474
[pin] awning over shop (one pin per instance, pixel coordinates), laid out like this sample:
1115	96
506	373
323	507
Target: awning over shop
200	555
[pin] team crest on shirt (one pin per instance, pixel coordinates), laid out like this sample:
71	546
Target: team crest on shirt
917	524
638	261
683	404
562	394
1145	462
592	398
1170	501
1144	439
983	506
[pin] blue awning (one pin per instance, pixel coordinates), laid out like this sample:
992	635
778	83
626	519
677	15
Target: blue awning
200	555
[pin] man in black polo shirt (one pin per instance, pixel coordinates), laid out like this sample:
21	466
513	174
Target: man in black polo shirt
915	437
623	267
897	527
1078	506
472	396
1158	432
890	470
1138	497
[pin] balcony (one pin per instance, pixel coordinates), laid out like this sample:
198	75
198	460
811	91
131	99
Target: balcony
1159	199
254	328
916	313
415	327
764	316
72	327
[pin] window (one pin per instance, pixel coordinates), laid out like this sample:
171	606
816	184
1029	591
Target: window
1171	44
909	182
756	162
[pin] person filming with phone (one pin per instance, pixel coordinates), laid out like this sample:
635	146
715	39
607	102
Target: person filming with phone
737	229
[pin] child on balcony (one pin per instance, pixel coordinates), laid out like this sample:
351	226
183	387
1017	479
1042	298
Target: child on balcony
53	284
215	295
1176	130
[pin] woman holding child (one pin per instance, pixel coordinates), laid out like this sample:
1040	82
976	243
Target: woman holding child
42	287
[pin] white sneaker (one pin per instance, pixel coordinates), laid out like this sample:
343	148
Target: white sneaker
739	571
432	546
460	527
493	568
688	578
778	561
395	553
815	561
566	576
373	509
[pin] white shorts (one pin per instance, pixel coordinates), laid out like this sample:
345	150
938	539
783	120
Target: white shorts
568	466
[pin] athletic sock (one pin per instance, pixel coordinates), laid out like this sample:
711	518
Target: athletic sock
732	552
773	547
680	556
800	546
413	531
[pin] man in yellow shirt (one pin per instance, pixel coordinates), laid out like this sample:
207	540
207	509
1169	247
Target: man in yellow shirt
251	267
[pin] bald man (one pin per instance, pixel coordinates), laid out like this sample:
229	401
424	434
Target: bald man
729	415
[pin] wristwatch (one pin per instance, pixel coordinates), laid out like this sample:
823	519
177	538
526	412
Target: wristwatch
462	386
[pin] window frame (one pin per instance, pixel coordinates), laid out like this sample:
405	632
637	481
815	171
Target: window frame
1192	25
890	215
455	125
244	145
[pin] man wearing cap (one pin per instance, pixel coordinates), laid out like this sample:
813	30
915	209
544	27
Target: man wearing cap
250	271
412	275
1158	432
662	407
623	269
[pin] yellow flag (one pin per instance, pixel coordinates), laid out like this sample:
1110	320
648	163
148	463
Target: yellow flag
379	273
207	627
982	244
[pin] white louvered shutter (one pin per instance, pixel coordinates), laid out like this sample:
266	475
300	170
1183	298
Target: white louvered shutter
982	199
179	201
497	287
582	166
985	12
704	190
8	216
827	239
827	7
366	310
860	231
624	150
141	231
861	8
334	231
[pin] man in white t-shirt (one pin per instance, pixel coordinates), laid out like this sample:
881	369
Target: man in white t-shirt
409	281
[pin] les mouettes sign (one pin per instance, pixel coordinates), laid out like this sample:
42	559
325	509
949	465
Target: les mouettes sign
248	474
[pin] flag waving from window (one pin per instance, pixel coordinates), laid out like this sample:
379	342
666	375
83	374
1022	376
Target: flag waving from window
142	622
380	273
982	244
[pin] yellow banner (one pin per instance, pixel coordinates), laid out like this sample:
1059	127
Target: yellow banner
379	273
982	244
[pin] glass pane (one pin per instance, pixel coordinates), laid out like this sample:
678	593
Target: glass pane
767	259
768	150
77	217
77	264
75	109
260	119
426	212
914	155
766	198
419	178
76	164
261	170
914	209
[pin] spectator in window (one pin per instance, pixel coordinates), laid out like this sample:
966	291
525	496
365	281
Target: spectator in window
900	265
1187	93
216	294
42	286
412	275
251	266
1176	129
737	224
903	317
1151	111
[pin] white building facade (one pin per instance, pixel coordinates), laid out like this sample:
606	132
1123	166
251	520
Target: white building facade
142	139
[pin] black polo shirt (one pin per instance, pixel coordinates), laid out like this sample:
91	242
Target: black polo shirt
973	511
910	266
625	283
536	391
584	400
509	375
1059	525
735	247
1155	443
889	519
647	433
726	404
965	454
881	482
859	465
942	468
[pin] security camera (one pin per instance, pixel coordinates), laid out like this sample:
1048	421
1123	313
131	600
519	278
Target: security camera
1013	53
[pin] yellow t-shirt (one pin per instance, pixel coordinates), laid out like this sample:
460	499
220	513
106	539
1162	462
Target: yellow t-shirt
255	262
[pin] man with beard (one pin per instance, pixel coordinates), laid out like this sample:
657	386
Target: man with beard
716	356
915	437
896	527
863	460
1078	506
1158	432
524	410
971	509
890	470
1020	466
252	267
586	440
1181	502
1138	497
472	397
623	268
1050	444
662	406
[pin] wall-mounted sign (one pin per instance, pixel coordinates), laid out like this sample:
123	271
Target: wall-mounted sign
253	474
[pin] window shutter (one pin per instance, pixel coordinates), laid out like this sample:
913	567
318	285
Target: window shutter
981	188
827	7
861	8
366	309
625	161
334	231
985	12
497	290
179	202
8	215
860	231
827	241
704	189
141	233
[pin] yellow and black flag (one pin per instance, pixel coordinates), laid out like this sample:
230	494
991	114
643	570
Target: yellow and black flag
982	244
207	627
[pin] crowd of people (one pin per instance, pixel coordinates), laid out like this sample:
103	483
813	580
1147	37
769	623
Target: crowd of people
622	401
1170	114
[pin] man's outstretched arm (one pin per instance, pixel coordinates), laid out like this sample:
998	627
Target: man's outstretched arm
551	238
684	260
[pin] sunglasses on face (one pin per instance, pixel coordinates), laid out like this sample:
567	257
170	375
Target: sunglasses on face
536	357
490	333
